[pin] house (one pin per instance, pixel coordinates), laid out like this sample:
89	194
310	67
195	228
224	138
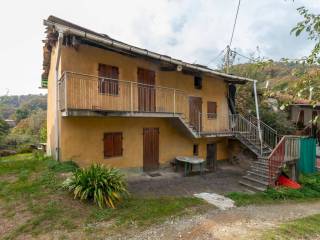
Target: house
113	103
304	114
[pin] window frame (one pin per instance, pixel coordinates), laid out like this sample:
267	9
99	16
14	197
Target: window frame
197	82
212	113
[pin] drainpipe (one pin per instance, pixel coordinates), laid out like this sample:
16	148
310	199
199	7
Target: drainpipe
57	76
257	112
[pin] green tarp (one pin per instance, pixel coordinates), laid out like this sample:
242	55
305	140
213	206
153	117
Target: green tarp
307	161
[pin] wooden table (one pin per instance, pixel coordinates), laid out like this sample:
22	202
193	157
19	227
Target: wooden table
188	162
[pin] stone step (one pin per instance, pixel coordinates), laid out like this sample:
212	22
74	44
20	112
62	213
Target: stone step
259	169
252	185
253	179
257	175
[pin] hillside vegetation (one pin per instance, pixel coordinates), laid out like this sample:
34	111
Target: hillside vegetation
29	115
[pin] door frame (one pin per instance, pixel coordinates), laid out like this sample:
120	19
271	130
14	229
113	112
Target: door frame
146	90
213	167
153	145
194	119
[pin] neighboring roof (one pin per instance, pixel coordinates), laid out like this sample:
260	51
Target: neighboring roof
55	24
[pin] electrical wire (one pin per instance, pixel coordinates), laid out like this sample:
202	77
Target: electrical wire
214	59
234	24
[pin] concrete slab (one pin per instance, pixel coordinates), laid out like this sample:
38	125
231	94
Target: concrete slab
217	200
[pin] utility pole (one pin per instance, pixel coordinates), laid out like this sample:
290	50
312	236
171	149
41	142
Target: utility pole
227	59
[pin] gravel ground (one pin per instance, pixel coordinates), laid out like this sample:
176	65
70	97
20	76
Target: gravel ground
224	179
238	223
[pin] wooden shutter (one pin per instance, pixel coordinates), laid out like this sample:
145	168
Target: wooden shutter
117	144
108	145
112	144
212	110
109	83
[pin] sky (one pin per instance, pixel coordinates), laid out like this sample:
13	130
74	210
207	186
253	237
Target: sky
195	31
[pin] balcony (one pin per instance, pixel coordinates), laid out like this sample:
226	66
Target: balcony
83	94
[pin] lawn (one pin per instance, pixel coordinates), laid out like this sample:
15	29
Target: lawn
310	191
32	203
303	228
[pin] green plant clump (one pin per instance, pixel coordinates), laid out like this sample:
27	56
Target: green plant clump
105	186
310	190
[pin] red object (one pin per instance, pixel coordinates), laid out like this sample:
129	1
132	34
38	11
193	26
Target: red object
284	181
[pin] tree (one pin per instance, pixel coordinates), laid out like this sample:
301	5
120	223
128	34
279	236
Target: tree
310	25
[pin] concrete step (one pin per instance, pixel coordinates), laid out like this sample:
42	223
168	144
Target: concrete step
258	175
252	185
259	169
259	181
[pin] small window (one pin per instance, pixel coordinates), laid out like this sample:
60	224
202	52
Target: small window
212	110
112	144
108	79
195	149
197	82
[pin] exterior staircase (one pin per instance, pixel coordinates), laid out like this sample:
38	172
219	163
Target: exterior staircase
271	154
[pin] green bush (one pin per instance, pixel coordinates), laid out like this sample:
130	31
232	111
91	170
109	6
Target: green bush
105	186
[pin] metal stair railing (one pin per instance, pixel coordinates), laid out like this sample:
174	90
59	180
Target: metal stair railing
242	127
269	135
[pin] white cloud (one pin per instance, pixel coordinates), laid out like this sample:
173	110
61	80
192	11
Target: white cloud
187	29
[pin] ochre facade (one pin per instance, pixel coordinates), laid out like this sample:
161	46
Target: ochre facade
81	138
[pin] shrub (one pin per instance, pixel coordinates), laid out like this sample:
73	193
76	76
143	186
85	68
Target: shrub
105	186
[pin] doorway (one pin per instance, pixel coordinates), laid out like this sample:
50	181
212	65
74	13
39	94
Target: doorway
146	90
211	156
150	149
195	113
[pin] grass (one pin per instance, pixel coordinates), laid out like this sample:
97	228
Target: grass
303	228
310	191
32	200
143	212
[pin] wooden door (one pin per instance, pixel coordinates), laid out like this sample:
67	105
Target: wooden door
150	149
146	90
195	113
211	156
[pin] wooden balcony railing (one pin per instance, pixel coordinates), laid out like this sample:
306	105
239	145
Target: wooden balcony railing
86	92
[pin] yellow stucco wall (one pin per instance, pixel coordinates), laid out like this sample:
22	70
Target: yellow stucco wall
82	137
82	140
51	108
86	59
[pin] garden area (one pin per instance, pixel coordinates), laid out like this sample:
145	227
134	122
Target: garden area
42	198
34	204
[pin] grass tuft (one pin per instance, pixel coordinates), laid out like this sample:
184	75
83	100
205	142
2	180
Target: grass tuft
310	190
303	228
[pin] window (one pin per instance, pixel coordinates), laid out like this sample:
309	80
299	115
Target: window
108	81
195	149
197	82
212	110
112	144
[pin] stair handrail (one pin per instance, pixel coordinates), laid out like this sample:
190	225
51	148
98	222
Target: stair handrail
249	127
287	149
269	135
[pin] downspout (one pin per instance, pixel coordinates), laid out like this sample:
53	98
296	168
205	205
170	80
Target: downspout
257	113
57	76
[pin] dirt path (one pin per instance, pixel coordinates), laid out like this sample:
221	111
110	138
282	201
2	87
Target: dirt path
238	223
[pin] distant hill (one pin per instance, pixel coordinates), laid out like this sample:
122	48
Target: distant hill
280	75
20	107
